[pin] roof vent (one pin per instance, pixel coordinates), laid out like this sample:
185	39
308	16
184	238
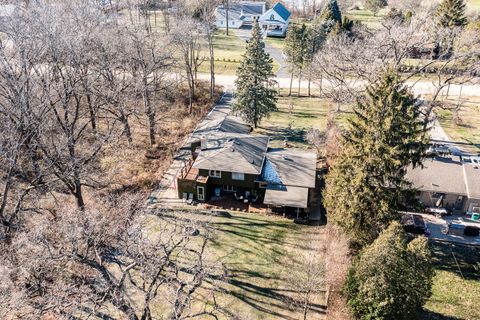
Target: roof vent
253	161
232	149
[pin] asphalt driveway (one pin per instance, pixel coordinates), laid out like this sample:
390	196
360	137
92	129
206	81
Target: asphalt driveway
245	34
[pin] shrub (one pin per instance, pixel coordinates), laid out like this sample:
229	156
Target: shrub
392	278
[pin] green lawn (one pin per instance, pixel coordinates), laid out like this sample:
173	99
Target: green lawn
473	4
456	288
258	251
228	54
366	17
468	131
275	42
307	113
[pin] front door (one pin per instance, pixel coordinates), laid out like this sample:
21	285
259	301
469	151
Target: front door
200	193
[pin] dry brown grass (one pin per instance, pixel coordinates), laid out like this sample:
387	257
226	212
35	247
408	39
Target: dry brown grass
138	166
337	259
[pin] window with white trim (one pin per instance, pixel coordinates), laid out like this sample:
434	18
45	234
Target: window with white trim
229	188
238	176
215	173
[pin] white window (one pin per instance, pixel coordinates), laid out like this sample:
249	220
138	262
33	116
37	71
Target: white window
238	176
233	23
230	188
215	173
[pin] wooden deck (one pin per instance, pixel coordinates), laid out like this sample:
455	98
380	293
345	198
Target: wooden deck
228	202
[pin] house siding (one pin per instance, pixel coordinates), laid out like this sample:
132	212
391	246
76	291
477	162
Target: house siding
226	179
449	201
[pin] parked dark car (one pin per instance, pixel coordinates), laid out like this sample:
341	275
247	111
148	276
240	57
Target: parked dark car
471	231
414	224
438	150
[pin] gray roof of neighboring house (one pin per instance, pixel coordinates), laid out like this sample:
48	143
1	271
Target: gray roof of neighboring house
290	167
233	13
234	153
472	179
235	10
287	196
444	175
6	10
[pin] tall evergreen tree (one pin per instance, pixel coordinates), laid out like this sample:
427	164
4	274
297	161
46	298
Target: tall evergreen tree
451	13
392	278
297	50
365	187
255	94
331	12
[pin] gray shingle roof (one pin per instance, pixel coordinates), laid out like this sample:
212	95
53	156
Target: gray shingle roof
290	167
235	10
472	179
234	153
443	175
287	196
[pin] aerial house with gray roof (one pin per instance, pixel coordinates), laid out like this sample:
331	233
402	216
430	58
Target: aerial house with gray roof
226	161
450	182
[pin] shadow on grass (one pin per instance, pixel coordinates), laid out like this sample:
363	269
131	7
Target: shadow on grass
430	315
455	258
280	133
249	290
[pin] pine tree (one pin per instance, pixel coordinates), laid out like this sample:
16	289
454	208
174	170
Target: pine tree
331	12
392	278
365	188
451	13
255	96
297	50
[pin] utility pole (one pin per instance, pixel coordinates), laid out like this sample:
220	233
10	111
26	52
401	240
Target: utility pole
226	11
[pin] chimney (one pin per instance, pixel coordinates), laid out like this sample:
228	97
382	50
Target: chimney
203	143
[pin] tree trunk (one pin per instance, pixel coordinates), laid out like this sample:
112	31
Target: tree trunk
126	127
212	65
299	83
92	113
291	84
6	189
309	83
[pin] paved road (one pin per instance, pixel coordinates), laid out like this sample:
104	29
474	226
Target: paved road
419	88
275	53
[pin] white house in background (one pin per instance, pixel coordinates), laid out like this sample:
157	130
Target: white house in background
239	14
275	21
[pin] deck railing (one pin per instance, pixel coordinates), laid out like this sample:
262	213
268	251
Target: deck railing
186	168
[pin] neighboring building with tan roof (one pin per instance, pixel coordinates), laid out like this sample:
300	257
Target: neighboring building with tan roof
448	182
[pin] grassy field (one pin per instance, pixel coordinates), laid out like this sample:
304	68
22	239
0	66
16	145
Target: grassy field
366	17
473	4
467	133
258	251
456	288
307	113
228	54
